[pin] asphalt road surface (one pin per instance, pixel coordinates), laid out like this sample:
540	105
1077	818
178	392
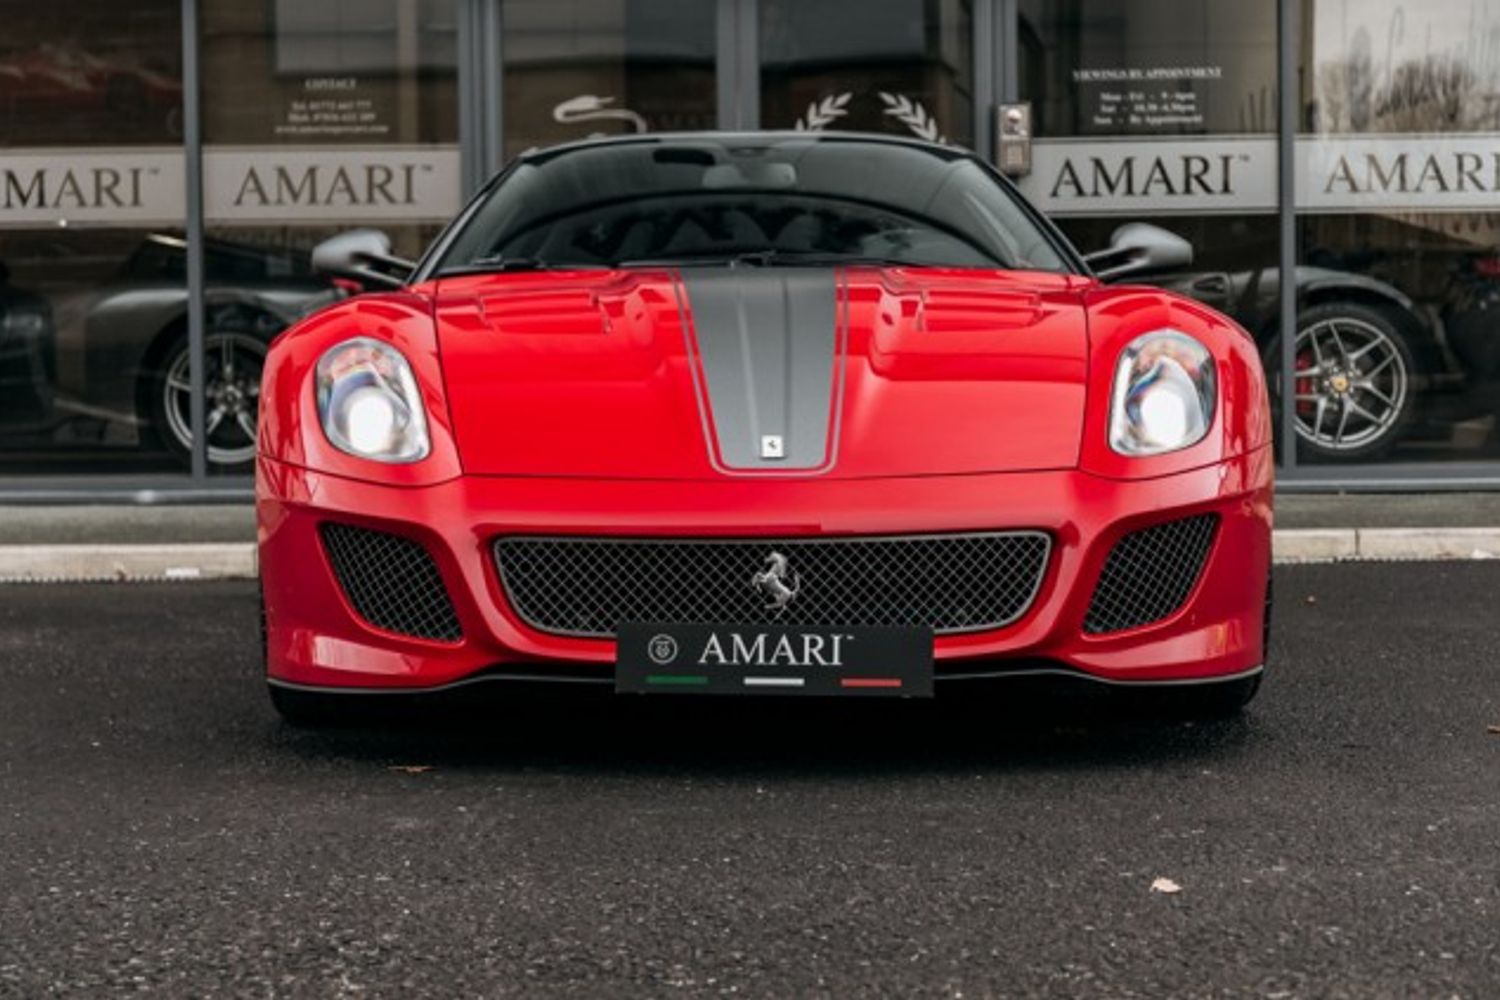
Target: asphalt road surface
161	832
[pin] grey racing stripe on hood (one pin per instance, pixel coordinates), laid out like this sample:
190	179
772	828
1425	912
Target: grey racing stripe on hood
766	340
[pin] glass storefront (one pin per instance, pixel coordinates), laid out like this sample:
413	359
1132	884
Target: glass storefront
1166	112
1399	152
904	66
580	68
319	117
91	168
1162	113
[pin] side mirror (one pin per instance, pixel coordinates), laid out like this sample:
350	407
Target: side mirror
363	255
1138	247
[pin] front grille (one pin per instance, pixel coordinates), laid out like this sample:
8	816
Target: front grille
391	582
950	583
1150	573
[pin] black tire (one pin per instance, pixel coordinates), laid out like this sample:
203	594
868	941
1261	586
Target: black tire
1223	700
316	709
251	332
1204	702
1405	369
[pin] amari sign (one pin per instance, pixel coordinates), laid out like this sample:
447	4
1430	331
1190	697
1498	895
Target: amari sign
1217	174
144	186
115	187
395	184
1152	176
1445	172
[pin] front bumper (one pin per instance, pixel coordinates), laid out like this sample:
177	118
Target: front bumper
315	639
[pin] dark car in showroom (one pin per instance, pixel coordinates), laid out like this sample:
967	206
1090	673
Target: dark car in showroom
1367	355
28	364
106	357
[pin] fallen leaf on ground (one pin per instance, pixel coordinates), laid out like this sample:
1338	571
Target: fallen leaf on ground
410	768
1165	885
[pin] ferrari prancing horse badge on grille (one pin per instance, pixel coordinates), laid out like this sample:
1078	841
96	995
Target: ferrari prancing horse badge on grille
776	583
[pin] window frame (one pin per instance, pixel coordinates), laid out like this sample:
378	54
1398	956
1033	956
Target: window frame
737	74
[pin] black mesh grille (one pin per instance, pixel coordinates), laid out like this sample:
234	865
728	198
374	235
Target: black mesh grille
951	583
392	582
1150	573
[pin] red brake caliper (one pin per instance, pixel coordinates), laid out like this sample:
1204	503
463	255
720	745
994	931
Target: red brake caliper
1305	387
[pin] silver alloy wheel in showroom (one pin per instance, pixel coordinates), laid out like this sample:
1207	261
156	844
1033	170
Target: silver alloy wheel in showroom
231	380
1352	384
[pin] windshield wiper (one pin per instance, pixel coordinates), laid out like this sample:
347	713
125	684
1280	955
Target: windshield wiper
499	264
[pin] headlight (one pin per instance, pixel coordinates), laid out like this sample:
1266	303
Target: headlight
369	403
1163	396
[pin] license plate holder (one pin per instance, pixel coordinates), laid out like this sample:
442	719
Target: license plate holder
838	661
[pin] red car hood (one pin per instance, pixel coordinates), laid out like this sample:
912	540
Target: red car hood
707	372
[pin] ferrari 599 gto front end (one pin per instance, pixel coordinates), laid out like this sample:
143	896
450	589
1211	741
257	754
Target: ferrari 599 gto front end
785	474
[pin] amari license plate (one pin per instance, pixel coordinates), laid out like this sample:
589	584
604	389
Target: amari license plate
761	659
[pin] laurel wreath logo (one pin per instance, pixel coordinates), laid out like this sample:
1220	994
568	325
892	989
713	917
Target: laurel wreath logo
913	115
823	113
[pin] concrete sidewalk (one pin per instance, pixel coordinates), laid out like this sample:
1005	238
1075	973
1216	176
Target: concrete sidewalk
217	541
1385	510
128	525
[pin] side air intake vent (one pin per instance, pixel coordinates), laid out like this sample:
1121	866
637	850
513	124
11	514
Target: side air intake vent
392	582
1150	573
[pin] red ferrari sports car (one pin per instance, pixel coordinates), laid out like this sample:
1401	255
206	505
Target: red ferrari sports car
770	413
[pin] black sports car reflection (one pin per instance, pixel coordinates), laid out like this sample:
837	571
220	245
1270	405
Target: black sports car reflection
27	363
1364	352
108	360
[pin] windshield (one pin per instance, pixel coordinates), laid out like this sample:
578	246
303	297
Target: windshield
750	199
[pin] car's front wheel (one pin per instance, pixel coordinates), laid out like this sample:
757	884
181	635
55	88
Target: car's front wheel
1354	383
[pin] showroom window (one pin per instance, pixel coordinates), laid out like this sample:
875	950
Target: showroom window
581	68
1398	184
903	66
1161	112
317	117
91	186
